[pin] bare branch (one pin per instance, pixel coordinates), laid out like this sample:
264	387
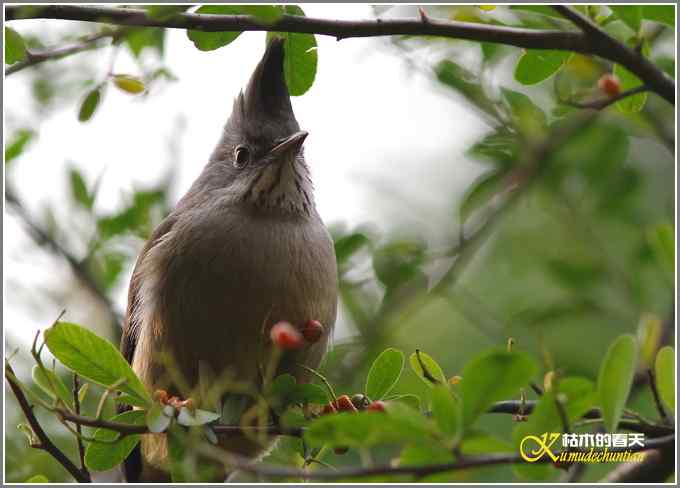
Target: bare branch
657	398
591	41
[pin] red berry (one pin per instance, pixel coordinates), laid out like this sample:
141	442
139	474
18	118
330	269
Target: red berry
345	404
610	85
312	331
286	336
376	406
328	408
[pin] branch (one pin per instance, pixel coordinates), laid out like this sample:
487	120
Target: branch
657	466
657	398
76	407
242	463
45	443
606	102
42	237
608	47
598	43
86	44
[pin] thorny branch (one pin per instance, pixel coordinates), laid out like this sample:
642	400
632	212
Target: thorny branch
590	40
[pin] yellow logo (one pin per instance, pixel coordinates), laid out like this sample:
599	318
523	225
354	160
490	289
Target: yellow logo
542	446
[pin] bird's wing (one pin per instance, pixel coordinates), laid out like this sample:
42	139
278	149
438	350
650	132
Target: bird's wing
132	467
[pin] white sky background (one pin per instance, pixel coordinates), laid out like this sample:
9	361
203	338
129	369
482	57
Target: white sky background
378	132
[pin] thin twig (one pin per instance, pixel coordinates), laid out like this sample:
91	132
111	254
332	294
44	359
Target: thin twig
79	429
657	398
45	443
591	40
88	43
603	103
242	463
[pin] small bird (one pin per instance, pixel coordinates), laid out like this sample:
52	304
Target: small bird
243	250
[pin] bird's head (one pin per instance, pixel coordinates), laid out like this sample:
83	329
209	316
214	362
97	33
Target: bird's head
261	148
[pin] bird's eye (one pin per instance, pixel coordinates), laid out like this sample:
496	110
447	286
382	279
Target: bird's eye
241	157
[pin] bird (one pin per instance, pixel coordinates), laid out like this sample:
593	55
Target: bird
245	248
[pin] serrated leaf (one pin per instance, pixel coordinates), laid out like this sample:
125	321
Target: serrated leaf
492	376
659	13
93	358
101	456
664	368
197	417
537	65
15	48
52	384
156	419
432	374
384	374
129	84
616	378
446	411
631	15
89	105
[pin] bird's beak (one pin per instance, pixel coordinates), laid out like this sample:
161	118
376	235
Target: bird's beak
291	144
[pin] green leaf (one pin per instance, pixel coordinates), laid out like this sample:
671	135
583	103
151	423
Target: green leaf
209	41
93	358
628	81
101	456
578	397
662	240
432	374
129	84
659	13
286	391
17	143
446	411
482	190
539	9
499	147
38	478
615	379
526	114
164	12
424	454
466	83
265	14
399	424
15	48
300	56
152	38
177	454
384	374
131	400
79	189
89	104
52	384
664	368
348	244
492	376
407	399
82	393
537	65
631	15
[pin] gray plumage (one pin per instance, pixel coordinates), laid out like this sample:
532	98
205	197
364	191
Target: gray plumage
244	248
